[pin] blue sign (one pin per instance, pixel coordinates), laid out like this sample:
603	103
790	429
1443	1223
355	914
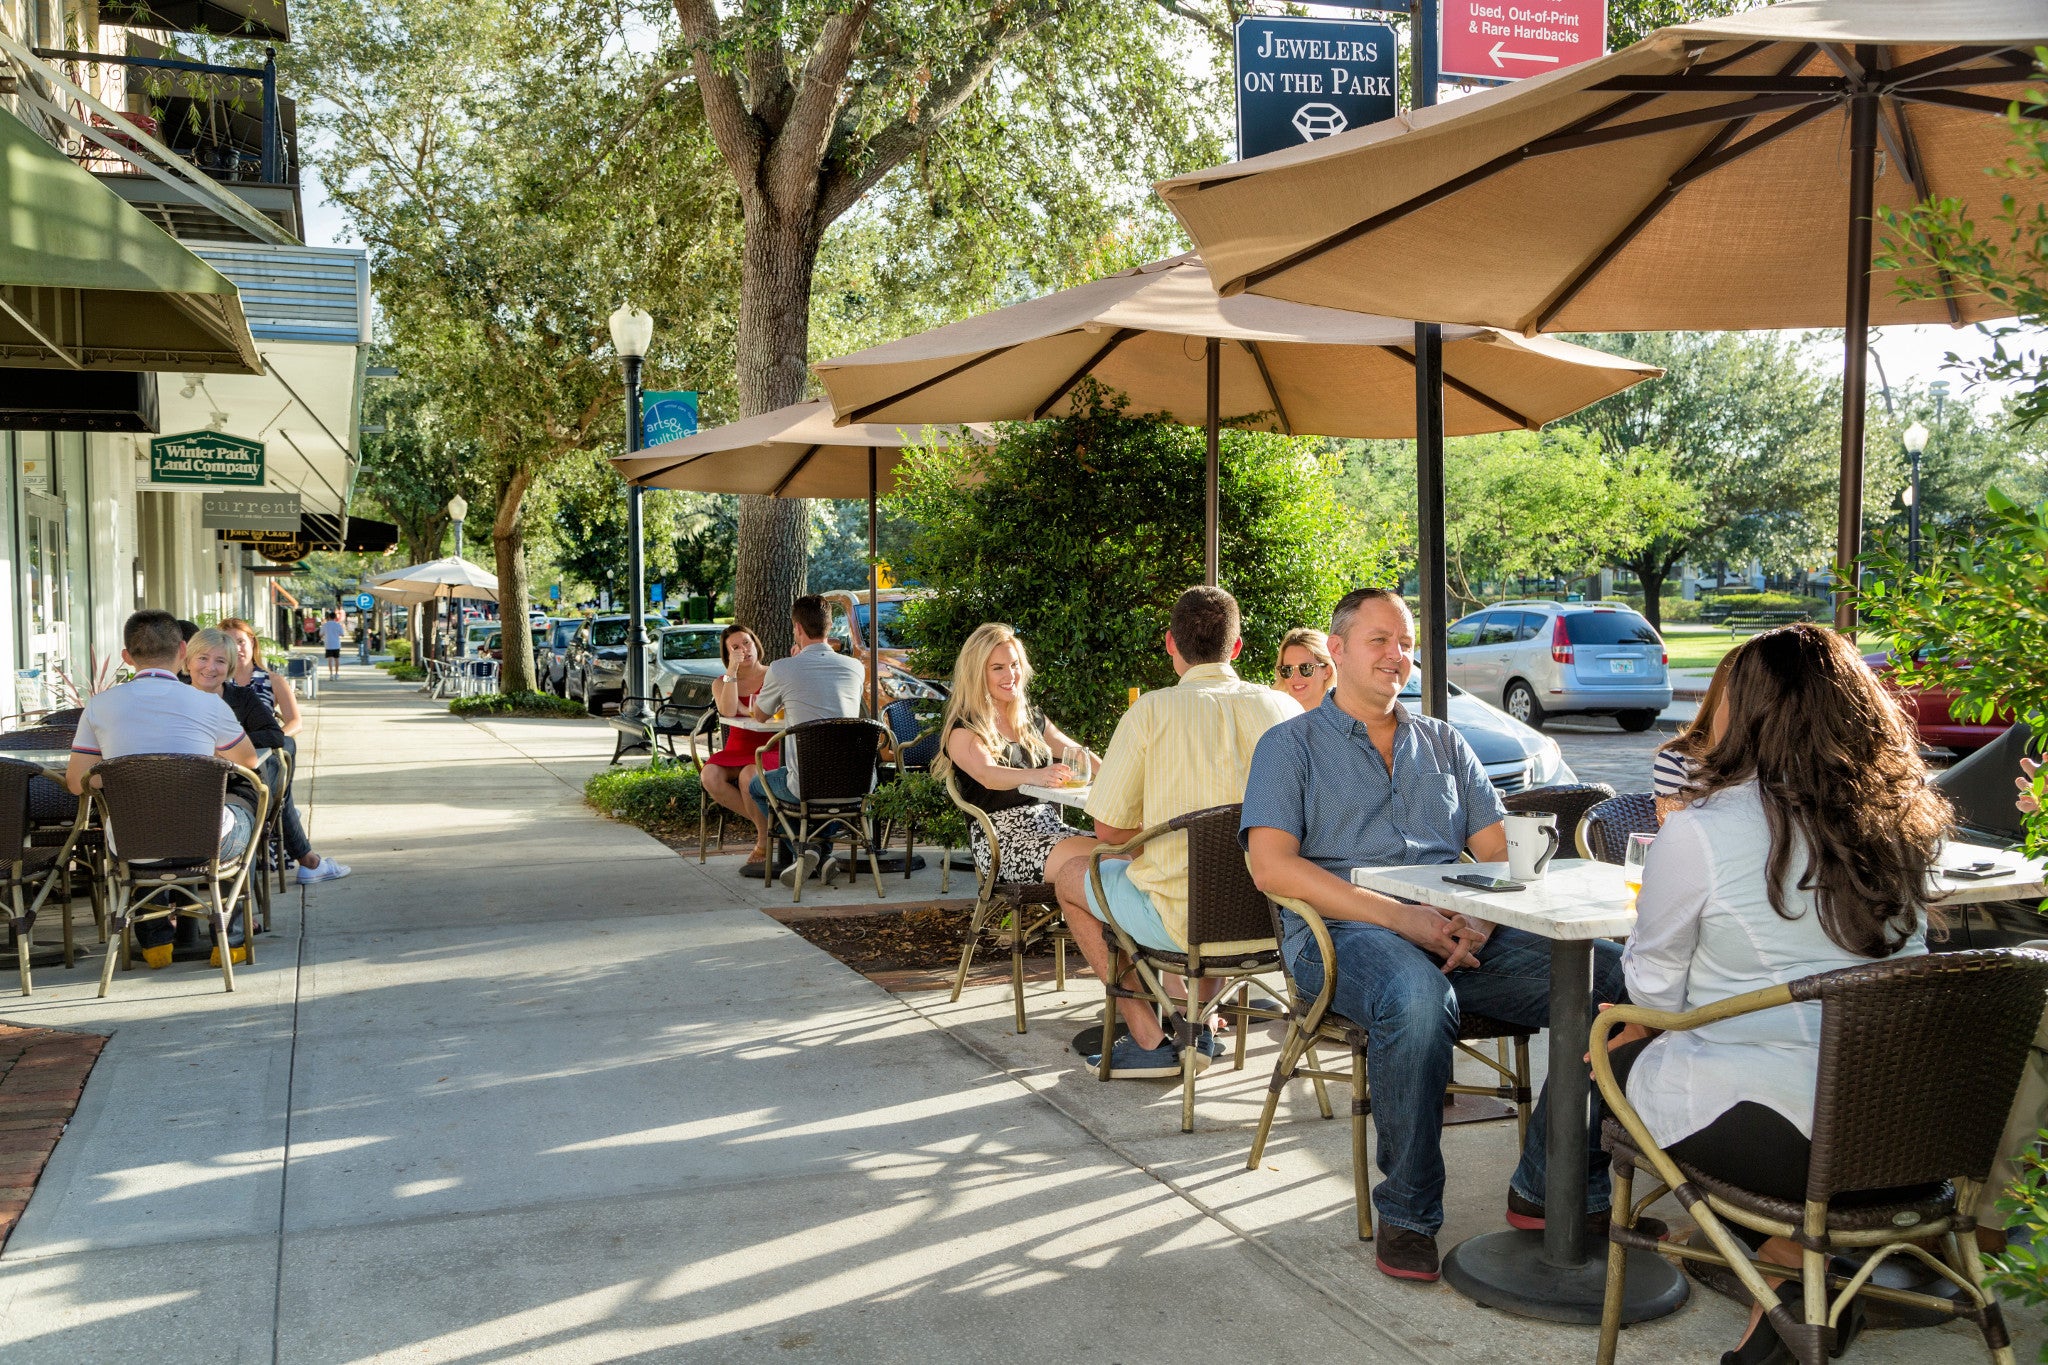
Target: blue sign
364	601
1299	80
654	593
667	416
554	592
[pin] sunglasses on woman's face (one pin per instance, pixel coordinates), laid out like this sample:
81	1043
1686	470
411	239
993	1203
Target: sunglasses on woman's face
1304	671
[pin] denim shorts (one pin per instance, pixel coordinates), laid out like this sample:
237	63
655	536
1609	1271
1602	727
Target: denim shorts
1134	911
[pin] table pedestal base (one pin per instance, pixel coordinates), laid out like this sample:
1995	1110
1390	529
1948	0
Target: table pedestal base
1506	1270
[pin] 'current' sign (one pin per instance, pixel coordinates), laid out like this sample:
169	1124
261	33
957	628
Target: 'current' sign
1303	79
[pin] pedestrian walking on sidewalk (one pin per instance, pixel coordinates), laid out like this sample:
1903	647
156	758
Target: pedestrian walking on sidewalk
330	640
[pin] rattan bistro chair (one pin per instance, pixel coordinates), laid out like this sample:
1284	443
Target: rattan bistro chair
1230	940
162	814
270	838
1310	1021
914	733
1603	832
53	814
1019	914
837	762
1919	1061
1569	803
705	739
30	873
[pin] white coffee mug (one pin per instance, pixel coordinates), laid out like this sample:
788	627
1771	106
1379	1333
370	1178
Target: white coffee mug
1532	843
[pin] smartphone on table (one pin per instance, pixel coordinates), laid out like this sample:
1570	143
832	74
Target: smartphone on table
1479	881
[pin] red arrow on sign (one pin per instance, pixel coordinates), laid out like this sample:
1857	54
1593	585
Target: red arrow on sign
1505	39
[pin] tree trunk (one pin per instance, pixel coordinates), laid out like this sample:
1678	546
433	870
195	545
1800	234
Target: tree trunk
1653	595
508	538
773	552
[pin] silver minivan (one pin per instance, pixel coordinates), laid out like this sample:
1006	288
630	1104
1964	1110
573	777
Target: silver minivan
1541	659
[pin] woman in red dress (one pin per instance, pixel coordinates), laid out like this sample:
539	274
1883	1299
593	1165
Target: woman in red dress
734	692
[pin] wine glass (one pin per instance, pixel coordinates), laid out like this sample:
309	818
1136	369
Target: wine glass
1632	863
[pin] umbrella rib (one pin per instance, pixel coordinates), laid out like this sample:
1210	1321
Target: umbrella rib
1431	196
1976	104
1694	83
1937	62
1122	335
1266	376
1906	152
2012	73
1714	155
863	413
1451	381
795	470
1666	123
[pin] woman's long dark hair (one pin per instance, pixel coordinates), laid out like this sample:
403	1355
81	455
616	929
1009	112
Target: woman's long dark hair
1839	770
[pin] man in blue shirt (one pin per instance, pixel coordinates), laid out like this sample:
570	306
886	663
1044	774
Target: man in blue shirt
1361	781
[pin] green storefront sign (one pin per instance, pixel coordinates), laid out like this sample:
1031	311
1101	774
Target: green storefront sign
206	458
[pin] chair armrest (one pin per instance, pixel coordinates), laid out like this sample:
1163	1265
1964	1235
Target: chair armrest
1136	841
988	833
255	780
1326	952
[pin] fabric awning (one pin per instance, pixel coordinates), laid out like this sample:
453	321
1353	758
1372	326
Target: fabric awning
89	283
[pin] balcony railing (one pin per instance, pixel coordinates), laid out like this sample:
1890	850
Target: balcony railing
216	135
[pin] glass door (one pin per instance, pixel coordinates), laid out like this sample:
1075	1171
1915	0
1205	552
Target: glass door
47	587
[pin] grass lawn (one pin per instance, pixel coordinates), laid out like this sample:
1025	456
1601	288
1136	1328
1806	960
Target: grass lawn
1699	653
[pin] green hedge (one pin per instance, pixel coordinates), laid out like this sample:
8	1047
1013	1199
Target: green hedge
404	672
658	796
401	651
919	797
539	704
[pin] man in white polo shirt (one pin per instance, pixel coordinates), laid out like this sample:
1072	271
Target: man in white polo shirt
154	713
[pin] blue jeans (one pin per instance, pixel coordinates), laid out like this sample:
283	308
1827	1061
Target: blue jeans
1410	1009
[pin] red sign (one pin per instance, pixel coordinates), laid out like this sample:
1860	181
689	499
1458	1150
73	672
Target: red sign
1505	40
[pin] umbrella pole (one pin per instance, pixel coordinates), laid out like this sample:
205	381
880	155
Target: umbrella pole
1212	542
874	631
1429	517
1855	356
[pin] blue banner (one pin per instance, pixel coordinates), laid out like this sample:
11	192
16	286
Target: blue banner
1299	80
667	416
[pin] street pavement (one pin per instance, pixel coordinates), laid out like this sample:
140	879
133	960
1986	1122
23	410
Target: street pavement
530	1086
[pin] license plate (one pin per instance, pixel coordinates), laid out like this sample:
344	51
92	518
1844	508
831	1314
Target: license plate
1622	665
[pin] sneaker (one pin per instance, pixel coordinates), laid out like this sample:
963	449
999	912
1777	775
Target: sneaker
1527	1215
241	953
1129	1062
158	956
1405	1254
326	870
1208	1044
800	870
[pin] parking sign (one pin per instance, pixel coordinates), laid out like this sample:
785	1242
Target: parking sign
364	601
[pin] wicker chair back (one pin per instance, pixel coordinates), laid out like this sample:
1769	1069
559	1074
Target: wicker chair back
915	727
164	807
835	759
1919	1060
68	718
41	738
1224	906
1569	803
15	777
1608	824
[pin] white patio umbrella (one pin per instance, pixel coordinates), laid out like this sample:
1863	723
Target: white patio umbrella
435	580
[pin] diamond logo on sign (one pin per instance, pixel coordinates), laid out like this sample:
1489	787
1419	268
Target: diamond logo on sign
209	459
1301	80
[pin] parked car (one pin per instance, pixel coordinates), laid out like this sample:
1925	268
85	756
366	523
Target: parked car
850	634
1929	709
474	636
1516	757
1543	659
596	665
494	644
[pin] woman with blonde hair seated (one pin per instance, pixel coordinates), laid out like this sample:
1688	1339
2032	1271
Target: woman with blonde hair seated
996	742
1304	672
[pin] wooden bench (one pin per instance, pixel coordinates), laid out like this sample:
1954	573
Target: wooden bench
1750	622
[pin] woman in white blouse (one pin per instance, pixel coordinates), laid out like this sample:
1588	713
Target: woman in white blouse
1804	847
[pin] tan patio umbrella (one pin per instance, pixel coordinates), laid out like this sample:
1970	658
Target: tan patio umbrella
436	579
795	452
1160	334
1721	174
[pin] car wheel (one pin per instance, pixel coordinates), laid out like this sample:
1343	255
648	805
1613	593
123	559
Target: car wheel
591	701
1520	702
1635	722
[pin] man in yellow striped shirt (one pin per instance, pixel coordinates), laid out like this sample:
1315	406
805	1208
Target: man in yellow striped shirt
1185	748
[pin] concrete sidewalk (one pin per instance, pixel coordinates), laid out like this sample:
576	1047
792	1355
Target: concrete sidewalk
530	1086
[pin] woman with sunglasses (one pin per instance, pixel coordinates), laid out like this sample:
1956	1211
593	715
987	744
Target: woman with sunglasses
1304	672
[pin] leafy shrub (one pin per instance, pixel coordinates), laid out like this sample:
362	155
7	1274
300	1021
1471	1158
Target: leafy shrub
657	797
920	799
539	704
2021	1270
1769	601
401	651
404	672
1081	531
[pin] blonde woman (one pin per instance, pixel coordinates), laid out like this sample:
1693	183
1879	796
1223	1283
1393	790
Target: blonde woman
1304	672
996	742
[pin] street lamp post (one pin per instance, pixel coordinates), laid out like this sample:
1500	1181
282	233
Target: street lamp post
1915	438
458	508
632	330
